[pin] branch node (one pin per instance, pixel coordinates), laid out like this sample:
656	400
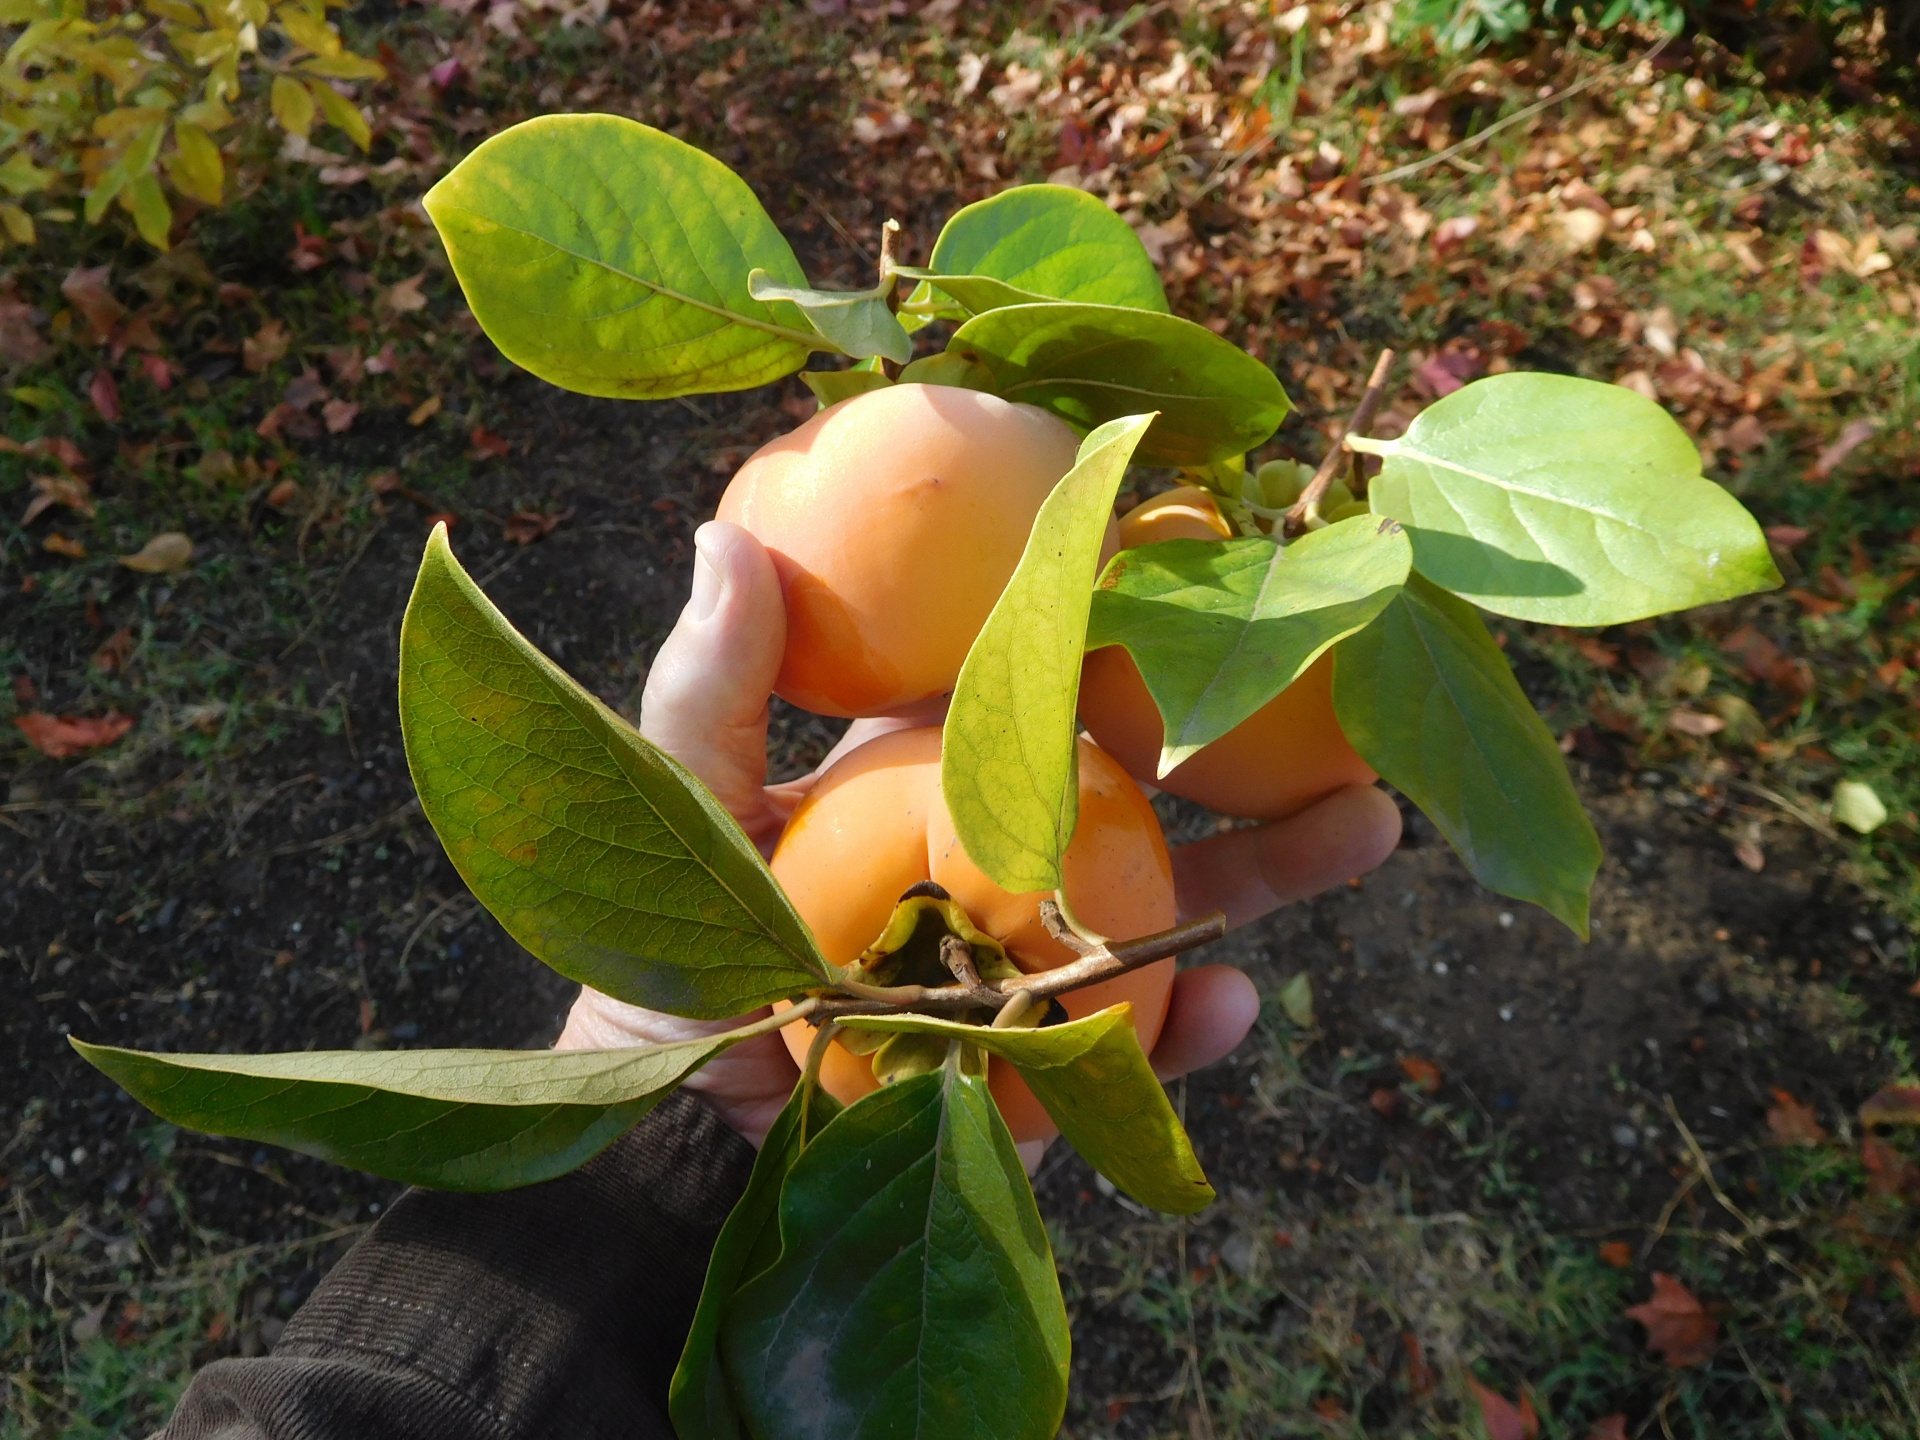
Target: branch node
1304	513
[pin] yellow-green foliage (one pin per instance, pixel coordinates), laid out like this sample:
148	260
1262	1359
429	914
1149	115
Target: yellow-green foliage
99	105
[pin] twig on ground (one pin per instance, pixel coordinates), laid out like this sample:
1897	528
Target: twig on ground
1480	137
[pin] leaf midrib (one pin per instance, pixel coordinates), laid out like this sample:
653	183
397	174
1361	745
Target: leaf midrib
809	342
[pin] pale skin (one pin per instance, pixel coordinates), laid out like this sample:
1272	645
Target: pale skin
706	704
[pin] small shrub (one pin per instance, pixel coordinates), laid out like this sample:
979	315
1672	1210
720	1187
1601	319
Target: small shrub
101	104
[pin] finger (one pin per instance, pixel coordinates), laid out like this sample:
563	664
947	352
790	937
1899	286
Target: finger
705	701
1209	1013
1247	873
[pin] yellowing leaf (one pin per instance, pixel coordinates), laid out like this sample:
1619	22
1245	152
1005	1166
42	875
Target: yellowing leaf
345	66
1856	806
195	165
152	216
165	554
308	31
18	224
341	113
292	106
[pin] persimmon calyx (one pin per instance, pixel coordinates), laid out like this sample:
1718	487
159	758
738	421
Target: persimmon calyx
930	936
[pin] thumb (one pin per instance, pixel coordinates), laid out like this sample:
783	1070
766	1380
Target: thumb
705	701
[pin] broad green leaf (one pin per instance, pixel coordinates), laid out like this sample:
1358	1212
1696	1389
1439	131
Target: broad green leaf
915	1296
1218	628
1093	363
612	259
1035	242
1428	700
196	166
1007	755
830	387
152	216
595	850
292	105
1094	1080
855	322
1566	501
948	368
700	1399
341	113
450	1119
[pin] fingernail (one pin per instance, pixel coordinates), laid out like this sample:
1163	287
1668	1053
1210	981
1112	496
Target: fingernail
707	584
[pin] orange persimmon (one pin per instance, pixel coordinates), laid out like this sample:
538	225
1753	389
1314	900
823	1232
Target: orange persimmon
895	519
876	824
1282	758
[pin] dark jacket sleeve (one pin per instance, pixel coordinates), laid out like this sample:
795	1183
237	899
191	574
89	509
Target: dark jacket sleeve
557	1310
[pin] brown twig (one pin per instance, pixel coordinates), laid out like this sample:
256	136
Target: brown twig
1104	963
1363	413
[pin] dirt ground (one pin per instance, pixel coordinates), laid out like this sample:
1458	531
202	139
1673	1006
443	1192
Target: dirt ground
301	901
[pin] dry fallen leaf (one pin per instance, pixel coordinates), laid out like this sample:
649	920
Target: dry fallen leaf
90	295
1423	1073
167	553
1792	1121
60	736
1895	1105
524	527
1609	1427
1695	723
20	339
114	653
1679	1329
487	445
405	296
1505	1420
339	415
424	411
1616	1253
1852	436
264	346
1750	855
105	395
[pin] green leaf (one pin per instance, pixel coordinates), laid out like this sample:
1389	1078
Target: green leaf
1218	628
152	216
1036	242
292	105
915	1296
1426	697
196	165
1566	501
341	113
830	387
948	368
1094	1080
699	1399
1007	755
1093	363
855	322
595	850
451	1119
612	259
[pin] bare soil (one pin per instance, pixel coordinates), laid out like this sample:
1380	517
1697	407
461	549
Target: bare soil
285	894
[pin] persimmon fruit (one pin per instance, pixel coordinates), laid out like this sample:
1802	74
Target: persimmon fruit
895	519
876	824
1282	758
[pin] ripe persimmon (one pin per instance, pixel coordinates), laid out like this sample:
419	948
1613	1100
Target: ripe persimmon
895	519
1279	760
876	824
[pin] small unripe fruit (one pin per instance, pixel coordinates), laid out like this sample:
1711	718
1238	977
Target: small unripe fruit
1282	758
877	824
894	520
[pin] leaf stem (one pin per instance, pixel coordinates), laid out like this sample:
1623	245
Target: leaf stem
1304	513
1099	963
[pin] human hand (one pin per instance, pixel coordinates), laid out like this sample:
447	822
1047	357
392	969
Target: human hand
706	704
